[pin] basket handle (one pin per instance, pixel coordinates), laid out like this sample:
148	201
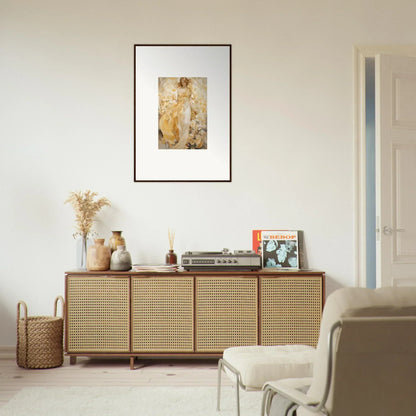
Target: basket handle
22	347
21	303
59	298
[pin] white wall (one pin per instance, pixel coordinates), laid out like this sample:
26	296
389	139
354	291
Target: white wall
66	96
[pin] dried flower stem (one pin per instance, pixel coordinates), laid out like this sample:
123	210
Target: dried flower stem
85	210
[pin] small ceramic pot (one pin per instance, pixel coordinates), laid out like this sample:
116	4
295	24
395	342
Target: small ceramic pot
116	240
120	259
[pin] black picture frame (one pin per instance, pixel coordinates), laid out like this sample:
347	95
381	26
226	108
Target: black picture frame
172	122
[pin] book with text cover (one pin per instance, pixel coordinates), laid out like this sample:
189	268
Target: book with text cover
257	241
278	248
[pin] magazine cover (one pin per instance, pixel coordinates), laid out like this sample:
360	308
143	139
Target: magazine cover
278	248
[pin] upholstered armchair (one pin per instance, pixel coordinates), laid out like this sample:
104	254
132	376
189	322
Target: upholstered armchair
365	363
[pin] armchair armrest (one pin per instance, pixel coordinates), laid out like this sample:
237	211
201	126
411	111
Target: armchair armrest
292	391
287	389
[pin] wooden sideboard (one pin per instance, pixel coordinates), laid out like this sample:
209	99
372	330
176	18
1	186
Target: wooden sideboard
189	313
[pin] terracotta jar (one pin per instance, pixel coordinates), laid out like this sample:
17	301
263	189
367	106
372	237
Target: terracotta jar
120	259
98	256
116	240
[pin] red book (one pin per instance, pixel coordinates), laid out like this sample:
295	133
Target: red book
257	241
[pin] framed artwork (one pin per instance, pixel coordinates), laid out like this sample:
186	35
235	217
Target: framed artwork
182	113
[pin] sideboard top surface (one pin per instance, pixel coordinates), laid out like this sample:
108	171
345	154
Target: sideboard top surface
261	272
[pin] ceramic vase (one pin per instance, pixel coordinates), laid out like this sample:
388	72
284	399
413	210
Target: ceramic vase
120	259
116	240
98	256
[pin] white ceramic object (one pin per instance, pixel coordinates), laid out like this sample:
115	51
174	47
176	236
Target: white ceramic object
120	259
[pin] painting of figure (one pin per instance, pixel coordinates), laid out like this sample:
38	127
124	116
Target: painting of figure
182	113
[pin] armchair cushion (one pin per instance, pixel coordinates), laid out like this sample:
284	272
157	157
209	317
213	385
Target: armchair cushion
258	364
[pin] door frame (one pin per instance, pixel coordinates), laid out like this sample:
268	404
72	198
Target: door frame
360	236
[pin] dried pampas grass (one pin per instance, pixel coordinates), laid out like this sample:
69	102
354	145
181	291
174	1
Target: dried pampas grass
85	210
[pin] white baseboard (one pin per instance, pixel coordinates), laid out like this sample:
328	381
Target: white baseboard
7	352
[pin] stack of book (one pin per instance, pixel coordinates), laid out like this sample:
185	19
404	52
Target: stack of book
160	268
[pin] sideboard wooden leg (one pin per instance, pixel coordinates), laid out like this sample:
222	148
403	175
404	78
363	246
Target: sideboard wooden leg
72	360
132	363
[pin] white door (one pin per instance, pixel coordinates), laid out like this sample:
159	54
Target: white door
396	170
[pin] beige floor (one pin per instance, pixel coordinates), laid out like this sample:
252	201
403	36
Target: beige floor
108	372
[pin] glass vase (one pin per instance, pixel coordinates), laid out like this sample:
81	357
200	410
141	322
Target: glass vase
82	245
171	257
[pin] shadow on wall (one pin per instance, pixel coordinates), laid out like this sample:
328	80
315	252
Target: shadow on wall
331	285
7	325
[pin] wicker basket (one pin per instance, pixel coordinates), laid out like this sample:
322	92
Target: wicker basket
40	339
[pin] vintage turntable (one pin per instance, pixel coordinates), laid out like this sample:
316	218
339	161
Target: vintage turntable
221	260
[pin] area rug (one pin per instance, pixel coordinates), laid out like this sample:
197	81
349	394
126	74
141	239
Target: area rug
129	401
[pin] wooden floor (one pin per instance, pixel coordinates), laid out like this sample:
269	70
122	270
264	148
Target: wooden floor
108	372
